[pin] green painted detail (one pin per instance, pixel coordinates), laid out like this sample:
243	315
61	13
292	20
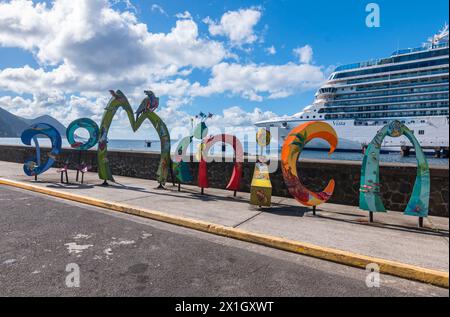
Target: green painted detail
300	140
369	196
181	168
200	131
182	172
119	100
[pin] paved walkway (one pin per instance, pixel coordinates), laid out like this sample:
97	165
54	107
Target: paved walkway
393	236
124	255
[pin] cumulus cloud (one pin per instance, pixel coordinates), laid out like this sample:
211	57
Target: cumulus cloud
127	3
87	47
271	50
304	54
92	37
232	120
157	8
249	81
56	104
184	15
238	26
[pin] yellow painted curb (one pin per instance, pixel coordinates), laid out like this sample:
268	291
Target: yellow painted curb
435	277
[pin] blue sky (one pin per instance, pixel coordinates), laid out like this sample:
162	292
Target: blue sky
335	32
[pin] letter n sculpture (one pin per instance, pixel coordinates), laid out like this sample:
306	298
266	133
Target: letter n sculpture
235	181
370	197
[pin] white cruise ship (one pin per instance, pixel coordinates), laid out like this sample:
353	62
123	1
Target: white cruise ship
359	99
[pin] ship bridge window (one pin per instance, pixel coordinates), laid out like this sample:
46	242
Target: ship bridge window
421	132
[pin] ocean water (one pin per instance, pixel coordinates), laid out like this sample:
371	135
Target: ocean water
249	147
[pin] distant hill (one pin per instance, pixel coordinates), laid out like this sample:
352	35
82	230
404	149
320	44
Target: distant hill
11	126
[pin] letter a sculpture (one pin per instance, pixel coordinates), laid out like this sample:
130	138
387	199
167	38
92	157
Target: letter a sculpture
369	196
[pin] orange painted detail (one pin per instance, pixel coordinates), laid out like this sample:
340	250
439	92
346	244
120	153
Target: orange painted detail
292	148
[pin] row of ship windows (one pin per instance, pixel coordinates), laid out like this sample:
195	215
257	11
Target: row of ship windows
393	68
423	48
392	92
430	105
383	123
388	100
399	76
412	82
411	57
395	59
390	85
386	114
365	123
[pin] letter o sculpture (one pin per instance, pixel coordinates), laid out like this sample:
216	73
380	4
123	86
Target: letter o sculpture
87	124
292	147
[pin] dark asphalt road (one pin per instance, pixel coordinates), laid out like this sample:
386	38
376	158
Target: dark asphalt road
122	255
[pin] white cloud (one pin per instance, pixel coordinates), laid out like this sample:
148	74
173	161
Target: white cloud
93	48
236	116
271	50
65	109
184	15
236	25
127	3
87	47
304	54
232	119
251	80
157	8
90	36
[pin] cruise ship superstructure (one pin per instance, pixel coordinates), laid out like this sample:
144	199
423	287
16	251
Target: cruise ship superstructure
359	99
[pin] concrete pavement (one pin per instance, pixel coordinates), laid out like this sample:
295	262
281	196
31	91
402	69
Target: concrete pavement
393	236
124	255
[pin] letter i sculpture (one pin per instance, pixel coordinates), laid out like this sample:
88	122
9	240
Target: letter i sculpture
261	188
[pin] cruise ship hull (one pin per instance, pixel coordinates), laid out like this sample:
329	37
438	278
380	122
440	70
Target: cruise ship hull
432	133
